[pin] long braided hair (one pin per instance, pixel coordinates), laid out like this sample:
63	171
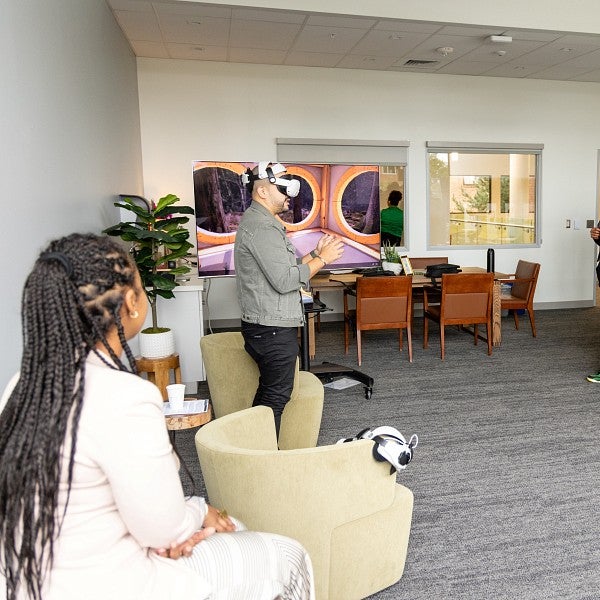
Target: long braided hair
71	299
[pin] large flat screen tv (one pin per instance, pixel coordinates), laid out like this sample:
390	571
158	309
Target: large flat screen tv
343	200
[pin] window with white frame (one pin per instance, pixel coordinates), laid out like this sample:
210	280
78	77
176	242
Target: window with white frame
483	194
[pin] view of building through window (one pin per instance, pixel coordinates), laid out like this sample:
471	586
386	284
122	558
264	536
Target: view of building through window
482	198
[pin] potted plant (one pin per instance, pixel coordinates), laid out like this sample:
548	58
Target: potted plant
391	259
159	239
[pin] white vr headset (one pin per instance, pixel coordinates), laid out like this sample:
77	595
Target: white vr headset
266	170
389	445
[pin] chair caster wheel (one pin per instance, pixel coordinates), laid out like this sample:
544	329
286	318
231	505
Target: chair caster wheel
368	393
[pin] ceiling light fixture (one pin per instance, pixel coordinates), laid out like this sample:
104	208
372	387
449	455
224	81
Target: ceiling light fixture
445	50
500	39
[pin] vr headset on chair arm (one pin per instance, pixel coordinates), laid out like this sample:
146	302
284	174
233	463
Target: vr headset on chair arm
388	445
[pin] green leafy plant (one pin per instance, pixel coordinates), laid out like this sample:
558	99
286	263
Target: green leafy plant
159	239
390	254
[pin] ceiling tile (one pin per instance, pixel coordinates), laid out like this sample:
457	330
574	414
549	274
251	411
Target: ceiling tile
559	72
589	76
139	25
272	16
261	34
512	70
195	52
341	21
312	59
192	9
139	5
194	30
358	61
257	56
150	49
466	67
330	40
378	42
408	26
517	49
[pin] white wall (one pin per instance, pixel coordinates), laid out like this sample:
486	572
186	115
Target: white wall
216	111
69	117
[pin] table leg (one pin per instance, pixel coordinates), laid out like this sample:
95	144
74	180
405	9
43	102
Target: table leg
311	336
496	315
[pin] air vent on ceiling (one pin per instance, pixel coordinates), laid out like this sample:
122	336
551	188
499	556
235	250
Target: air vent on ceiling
420	63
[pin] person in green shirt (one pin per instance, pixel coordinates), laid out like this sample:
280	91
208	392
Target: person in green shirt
392	220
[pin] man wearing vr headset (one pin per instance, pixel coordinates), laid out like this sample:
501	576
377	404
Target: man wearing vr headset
269	278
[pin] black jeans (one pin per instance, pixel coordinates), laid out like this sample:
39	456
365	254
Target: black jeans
275	350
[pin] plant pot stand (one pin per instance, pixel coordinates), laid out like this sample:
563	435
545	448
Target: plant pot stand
159	370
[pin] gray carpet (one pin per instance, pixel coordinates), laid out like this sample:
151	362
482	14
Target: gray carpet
506	477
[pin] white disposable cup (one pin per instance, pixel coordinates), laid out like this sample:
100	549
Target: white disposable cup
176	393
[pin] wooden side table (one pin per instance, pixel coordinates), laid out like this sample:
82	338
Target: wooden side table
179	422
159	370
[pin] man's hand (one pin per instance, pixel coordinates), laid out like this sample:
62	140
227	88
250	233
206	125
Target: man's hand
331	248
595	233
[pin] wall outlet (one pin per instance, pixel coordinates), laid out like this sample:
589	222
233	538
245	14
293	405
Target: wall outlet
589	223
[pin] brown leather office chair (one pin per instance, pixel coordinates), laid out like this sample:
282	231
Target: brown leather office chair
523	281
381	303
466	299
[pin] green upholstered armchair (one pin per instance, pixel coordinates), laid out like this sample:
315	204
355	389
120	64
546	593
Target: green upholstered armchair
341	504
232	377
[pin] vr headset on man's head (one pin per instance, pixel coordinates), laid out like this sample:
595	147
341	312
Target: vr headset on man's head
266	170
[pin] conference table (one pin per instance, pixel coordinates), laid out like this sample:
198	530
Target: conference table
330	282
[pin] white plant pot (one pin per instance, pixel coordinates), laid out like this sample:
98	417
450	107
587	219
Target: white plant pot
157	345
395	268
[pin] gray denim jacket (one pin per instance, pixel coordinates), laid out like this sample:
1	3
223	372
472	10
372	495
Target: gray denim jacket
269	275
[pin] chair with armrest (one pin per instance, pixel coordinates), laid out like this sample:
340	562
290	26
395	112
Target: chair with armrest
344	507
381	303
520	296
466	299
233	375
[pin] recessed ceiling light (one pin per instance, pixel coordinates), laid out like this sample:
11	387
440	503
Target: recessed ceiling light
368	59
332	35
199	48
445	50
395	36
194	22
566	49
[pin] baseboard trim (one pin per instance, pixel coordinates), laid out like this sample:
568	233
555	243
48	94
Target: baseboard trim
332	316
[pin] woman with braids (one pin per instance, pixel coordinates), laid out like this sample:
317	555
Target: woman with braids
91	502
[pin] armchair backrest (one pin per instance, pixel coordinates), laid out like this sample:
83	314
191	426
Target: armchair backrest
231	372
329	498
526	289
466	296
383	302
233	377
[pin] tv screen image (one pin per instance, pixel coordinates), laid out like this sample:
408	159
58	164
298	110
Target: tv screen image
342	200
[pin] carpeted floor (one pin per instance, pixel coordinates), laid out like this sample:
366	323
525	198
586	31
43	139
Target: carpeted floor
506	477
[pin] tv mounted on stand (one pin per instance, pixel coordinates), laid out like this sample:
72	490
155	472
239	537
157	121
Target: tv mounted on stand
342	200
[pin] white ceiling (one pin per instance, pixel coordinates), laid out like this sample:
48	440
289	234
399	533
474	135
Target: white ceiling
197	31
